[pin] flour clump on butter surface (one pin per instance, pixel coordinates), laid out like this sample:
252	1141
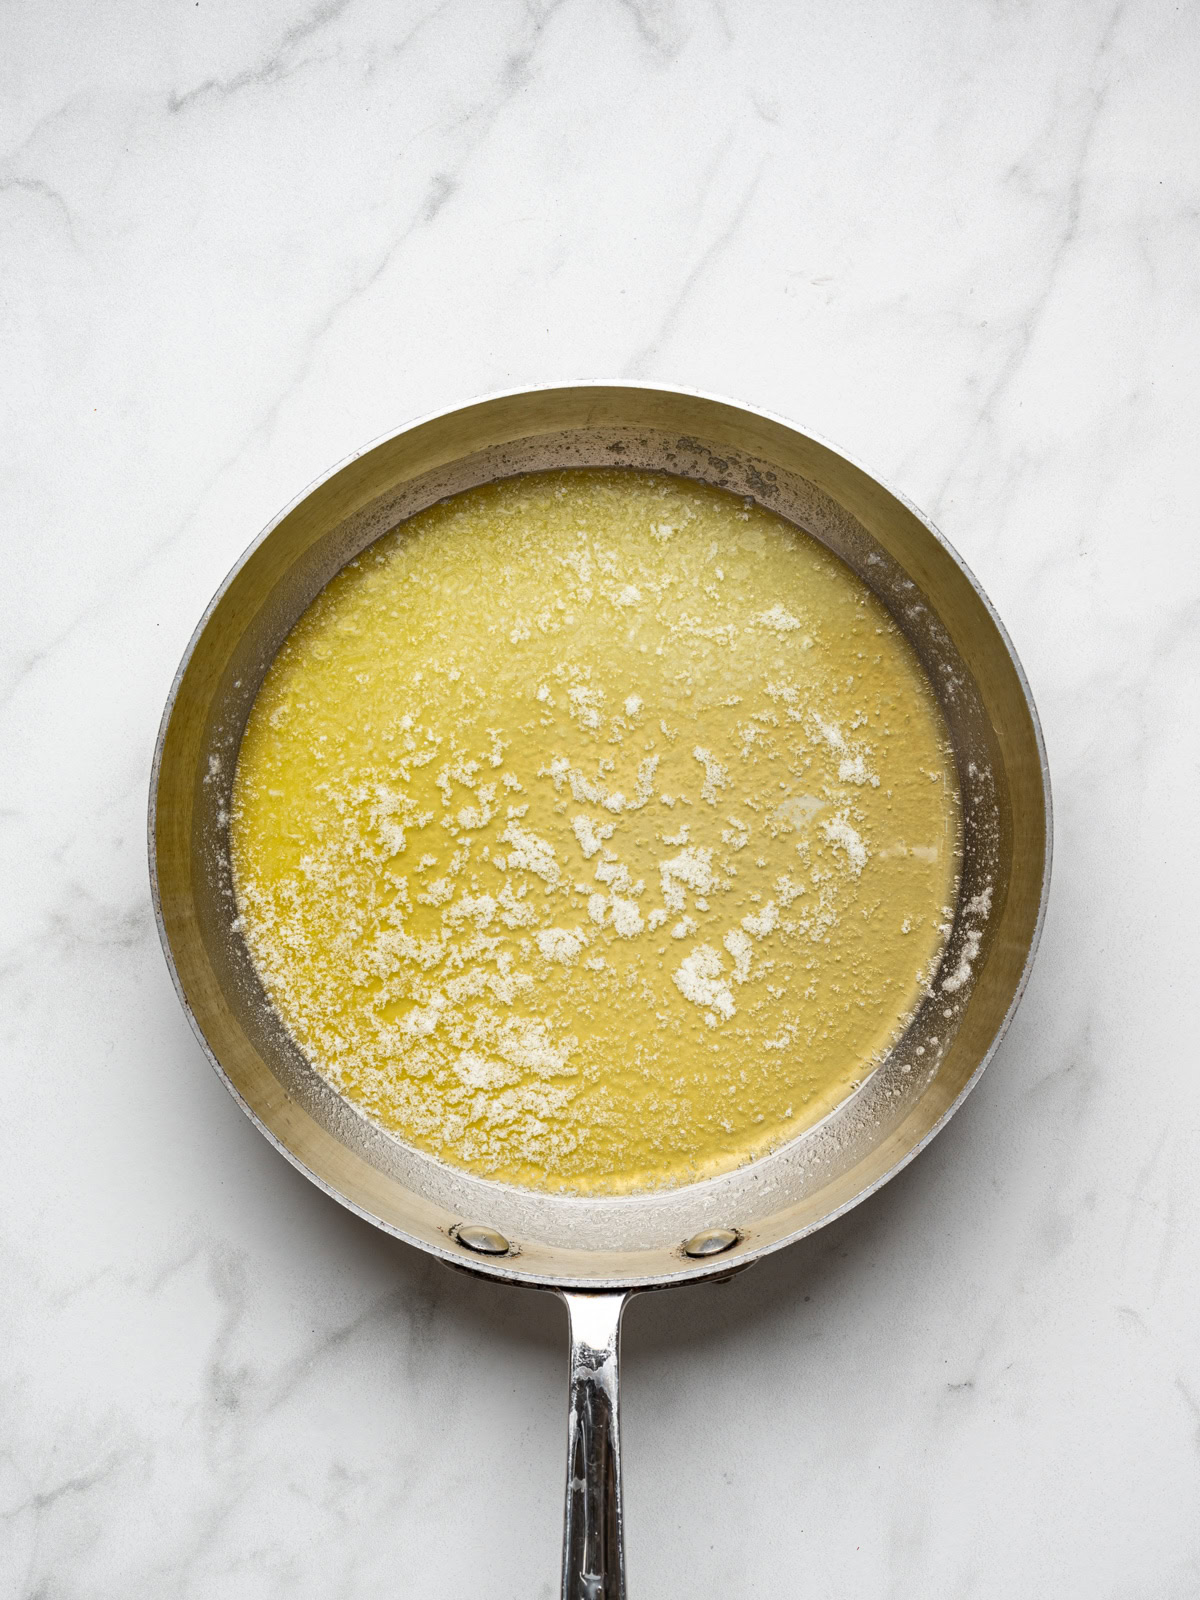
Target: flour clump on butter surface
583	831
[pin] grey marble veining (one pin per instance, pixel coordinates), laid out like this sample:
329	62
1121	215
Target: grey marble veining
239	242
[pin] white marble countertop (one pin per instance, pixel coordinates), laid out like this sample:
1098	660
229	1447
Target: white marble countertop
961	241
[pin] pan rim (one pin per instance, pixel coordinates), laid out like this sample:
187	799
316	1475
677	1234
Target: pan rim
507	1269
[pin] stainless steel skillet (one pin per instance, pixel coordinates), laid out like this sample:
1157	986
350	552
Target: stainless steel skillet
597	1252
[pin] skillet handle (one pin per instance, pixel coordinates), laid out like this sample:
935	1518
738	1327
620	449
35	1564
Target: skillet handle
593	1551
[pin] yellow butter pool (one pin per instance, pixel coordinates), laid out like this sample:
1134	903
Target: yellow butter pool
595	831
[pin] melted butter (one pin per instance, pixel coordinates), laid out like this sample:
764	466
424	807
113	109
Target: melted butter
595	831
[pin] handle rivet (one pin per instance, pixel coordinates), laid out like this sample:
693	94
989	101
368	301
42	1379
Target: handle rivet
484	1241
712	1242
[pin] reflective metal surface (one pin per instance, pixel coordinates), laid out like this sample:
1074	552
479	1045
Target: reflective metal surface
561	1241
484	1241
593	1547
712	1242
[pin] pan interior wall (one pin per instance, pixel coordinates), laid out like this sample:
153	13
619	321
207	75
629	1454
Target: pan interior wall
775	1187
